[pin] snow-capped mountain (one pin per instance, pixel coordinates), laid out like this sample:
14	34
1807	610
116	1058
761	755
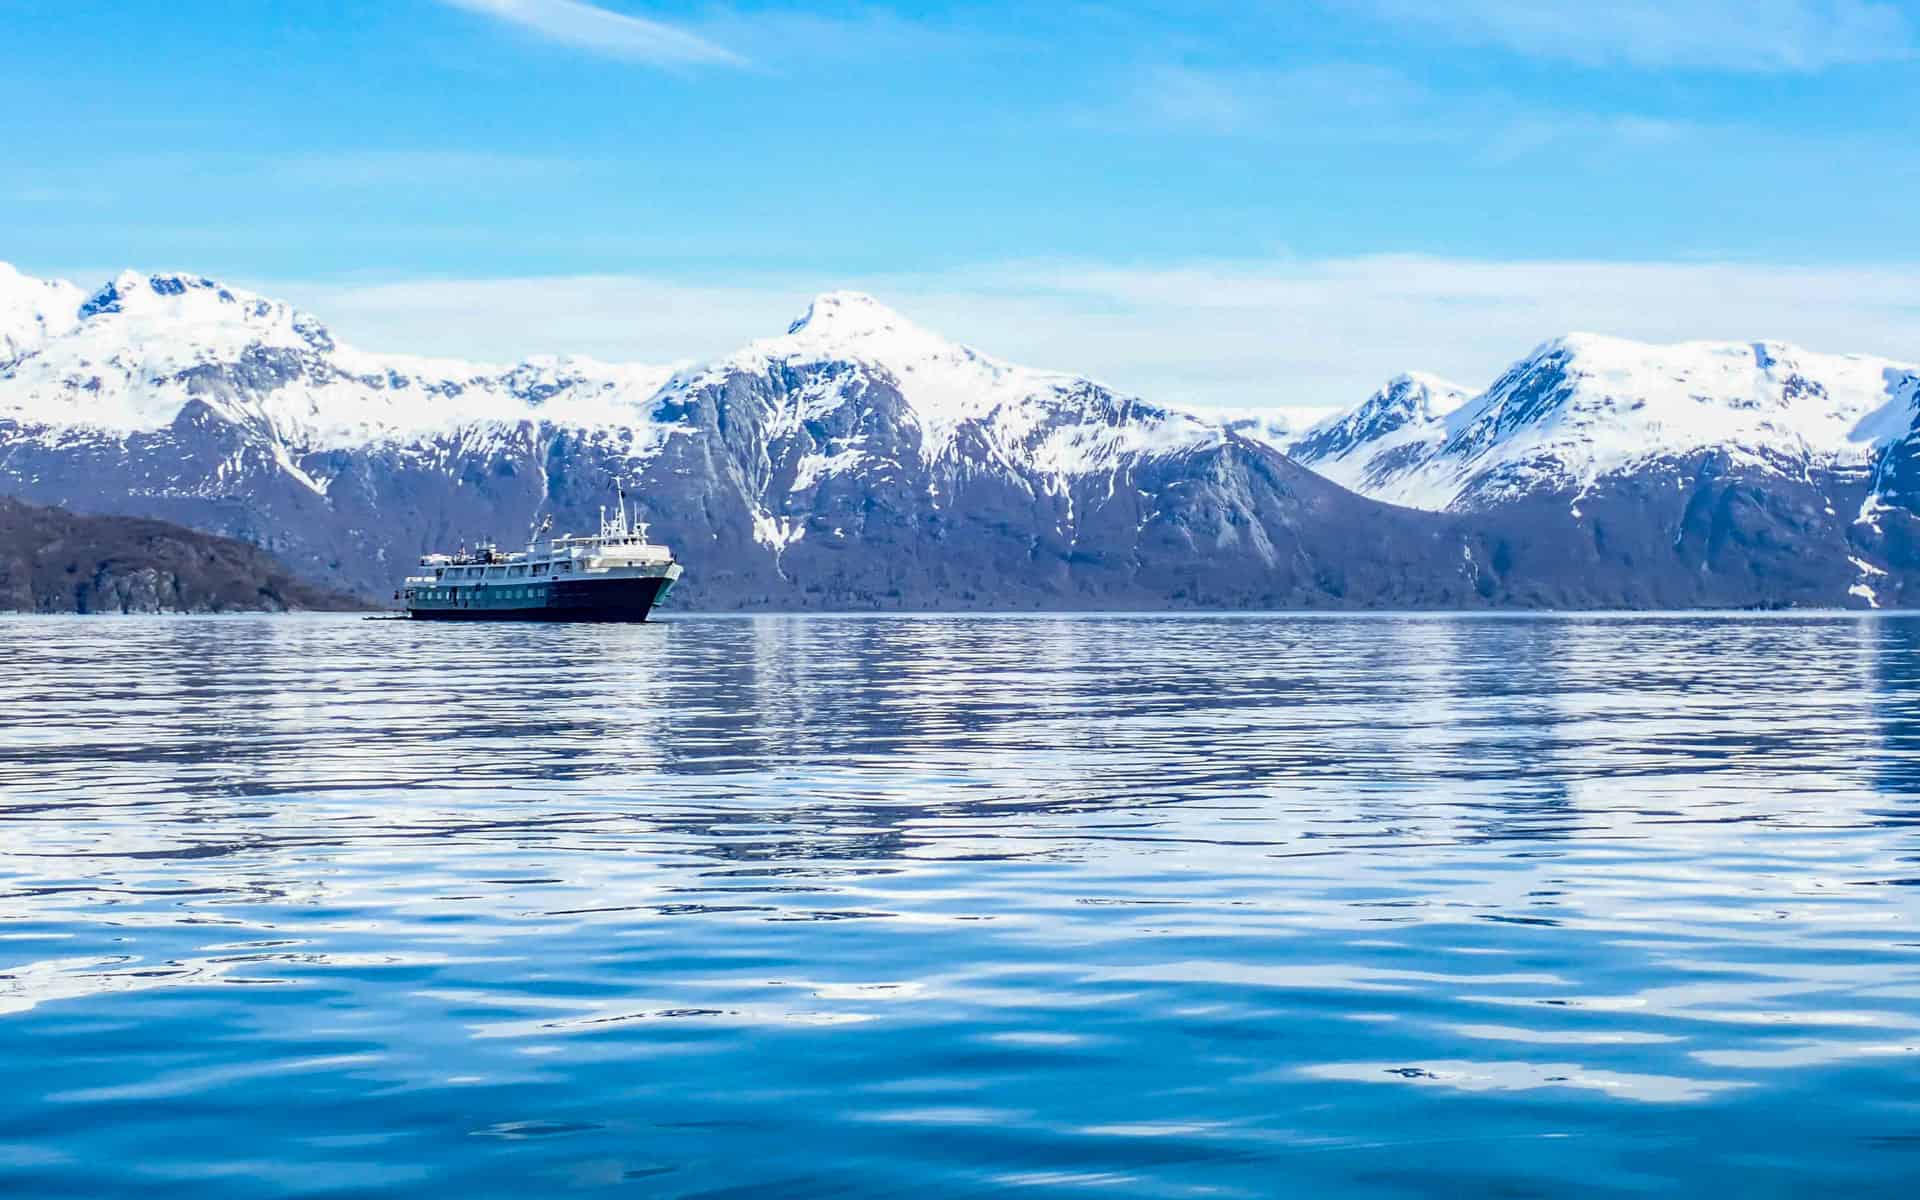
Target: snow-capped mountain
1757	460
859	461
1058	424
1582	409
828	388
856	460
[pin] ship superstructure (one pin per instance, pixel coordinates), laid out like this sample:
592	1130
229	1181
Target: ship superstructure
615	575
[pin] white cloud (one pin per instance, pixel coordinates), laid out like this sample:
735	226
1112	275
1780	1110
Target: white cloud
1727	35
601	31
1279	333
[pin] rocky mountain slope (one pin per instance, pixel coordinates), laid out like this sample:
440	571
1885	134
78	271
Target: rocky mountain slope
52	561
859	461
1788	452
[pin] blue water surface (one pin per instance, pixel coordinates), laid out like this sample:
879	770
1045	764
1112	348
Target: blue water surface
1049	906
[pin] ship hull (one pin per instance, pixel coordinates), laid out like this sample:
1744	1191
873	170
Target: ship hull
609	600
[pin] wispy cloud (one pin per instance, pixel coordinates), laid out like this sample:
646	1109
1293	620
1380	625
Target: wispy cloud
1355	104
604	32
1724	35
1231	334
1240	101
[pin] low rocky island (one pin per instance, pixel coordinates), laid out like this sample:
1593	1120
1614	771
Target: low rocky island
55	561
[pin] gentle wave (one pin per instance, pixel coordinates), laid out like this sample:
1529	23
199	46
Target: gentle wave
847	906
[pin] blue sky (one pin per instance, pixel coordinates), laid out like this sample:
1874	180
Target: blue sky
1232	203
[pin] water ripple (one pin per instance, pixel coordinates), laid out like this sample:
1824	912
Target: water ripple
833	906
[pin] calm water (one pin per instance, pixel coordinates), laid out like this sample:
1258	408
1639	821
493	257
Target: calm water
849	907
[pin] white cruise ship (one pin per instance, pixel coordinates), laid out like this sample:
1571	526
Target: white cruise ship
616	575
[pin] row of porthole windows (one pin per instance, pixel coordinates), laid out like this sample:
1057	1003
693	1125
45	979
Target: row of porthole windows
488	594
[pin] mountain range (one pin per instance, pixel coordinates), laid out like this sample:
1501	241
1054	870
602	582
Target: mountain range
857	461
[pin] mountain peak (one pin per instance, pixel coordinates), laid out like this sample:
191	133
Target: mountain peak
1419	396
132	286
847	314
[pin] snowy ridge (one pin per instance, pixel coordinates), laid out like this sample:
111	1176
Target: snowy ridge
1403	422
1048	421
134	354
1585	406
853	389
33	310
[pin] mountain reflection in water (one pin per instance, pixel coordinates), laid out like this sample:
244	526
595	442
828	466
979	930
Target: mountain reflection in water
1394	906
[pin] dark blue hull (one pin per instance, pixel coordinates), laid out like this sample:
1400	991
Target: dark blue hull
626	600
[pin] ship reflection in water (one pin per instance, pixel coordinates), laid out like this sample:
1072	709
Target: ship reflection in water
852	907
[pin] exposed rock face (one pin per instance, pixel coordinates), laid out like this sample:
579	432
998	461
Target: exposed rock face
56	562
1701	474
